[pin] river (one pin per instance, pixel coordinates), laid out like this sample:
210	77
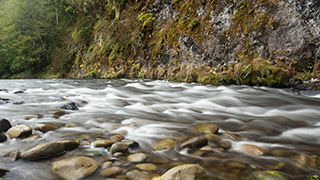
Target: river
147	111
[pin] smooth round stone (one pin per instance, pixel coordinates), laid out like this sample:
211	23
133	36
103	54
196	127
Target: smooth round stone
19	131
194	142
252	150
103	143
112	171
206	128
118	154
212	137
225	144
69	144
138	175
107	164
235	165
206	148
44	127
43	151
137	158
119	147
4	125
57	114
75	167
184	172
146	167
281	152
164	144
117	138
231	136
272	175
31	138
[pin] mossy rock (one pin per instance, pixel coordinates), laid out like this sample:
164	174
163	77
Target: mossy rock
269	175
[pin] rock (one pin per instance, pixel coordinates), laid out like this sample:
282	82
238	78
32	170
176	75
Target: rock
103	143
269	175
164	144
206	128
212	137
185	172
19	131
14	155
31	138
281	152
119	147
4	125
112	171
44	127
69	144
252	150
311	161
193	142
131	143
75	167
138	175
146	167
57	114
43	151
117	138
225	144
118	154
137	158
4	100
18	92
230	136
107	164
69	106
207	148
3	172
3	137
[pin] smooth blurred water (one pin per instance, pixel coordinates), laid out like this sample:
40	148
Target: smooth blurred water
149	110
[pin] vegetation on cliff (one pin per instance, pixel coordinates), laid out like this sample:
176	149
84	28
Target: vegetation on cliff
207	41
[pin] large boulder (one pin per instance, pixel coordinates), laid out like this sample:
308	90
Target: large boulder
269	175
19	131
185	172
43	151
75	167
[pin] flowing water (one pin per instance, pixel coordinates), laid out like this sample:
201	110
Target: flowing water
147	111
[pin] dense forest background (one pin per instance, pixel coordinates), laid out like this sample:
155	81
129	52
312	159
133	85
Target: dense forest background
263	42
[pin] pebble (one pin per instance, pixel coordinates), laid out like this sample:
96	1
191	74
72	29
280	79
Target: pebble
111	171
137	158
146	167
119	147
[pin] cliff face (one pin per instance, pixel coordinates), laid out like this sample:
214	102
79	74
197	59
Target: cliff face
267	42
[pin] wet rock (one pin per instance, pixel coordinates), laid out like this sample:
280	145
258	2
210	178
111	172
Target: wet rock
118	154
206	148
212	137
3	137
252	150
3	172
57	114
225	144
281	152
164	144
69	144
137	158
69	106
43	151
31	138
146	167
75	167
18	92
18	103
138	175
206	128
107	164
39	116
19	131
4	100
131	143
236	165
44	127
14	155
4	125
103	143
269	175
112	171
186	171
193	142
230	136
117	138
119	147
311	161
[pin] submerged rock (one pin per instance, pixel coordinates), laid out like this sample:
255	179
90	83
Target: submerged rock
103	143
269	175
43	151
44	127
231	136
57	114
19	131
112	171
193	142
146	167
75	167
164	144
4	125
185	172
206	128
69	106
138	175
137	158
252	150
69	144
311	161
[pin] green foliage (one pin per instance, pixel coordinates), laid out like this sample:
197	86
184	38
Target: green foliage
147	20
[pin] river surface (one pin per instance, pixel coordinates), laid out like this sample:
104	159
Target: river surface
147	111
